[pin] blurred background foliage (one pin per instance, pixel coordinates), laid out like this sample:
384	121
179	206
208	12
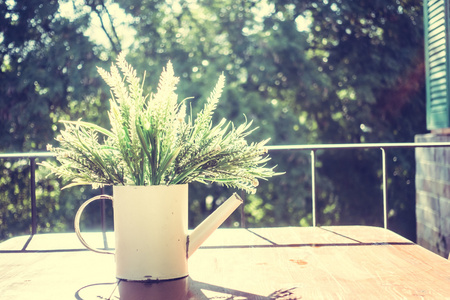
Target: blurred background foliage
312	71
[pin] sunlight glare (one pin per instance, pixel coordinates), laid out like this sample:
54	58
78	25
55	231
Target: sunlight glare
303	23
95	32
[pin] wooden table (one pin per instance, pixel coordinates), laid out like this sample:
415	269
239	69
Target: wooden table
342	262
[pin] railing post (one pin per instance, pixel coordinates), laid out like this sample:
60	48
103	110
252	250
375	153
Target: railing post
243	224
103	217
383	154
33	195
103	211
313	186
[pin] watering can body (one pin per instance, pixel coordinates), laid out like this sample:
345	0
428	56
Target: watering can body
152	240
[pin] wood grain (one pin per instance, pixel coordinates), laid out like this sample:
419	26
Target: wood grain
348	262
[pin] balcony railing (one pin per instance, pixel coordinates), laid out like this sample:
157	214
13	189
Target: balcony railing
31	157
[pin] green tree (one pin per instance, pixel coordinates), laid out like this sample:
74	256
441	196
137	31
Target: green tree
350	76
372	52
47	73
331	71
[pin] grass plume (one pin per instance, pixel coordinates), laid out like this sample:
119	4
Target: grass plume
152	140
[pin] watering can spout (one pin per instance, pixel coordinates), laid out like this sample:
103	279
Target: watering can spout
211	223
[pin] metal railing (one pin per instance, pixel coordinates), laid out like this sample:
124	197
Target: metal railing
312	148
381	146
32	160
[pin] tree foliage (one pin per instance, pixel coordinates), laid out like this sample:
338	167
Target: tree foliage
47	67
329	71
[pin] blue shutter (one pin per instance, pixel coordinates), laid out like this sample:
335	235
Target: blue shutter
436	25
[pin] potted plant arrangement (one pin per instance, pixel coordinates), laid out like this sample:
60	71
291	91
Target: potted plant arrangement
152	151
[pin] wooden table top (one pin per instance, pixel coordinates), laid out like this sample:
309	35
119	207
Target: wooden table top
338	262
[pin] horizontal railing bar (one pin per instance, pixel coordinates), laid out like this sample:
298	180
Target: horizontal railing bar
28	155
357	146
275	147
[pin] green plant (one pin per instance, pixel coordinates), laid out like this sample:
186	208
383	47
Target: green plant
152	141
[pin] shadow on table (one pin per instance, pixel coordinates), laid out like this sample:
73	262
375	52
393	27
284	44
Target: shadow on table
180	289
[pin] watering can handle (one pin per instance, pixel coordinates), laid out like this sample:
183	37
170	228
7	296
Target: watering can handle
77	222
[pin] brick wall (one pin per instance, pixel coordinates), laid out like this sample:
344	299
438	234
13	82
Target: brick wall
433	194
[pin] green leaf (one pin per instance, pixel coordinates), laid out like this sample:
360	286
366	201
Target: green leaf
90	125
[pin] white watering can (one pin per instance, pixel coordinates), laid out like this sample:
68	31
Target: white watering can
151	230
